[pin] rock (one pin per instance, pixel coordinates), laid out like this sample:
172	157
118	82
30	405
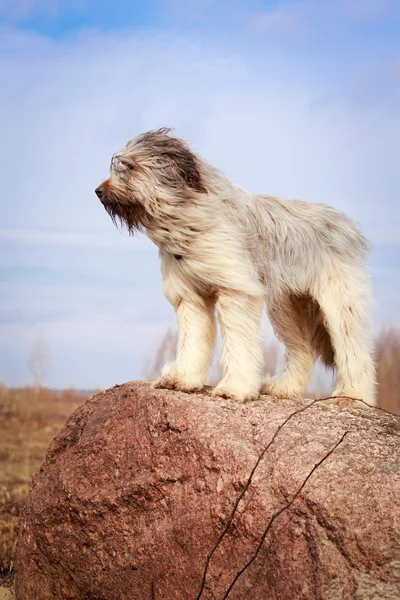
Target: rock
153	494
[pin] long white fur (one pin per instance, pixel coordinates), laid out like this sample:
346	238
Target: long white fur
238	252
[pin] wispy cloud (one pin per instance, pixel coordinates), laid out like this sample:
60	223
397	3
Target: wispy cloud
370	9
320	22
75	103
193	9
19	10
286	21
68	238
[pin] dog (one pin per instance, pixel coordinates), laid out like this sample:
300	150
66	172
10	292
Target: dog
224	250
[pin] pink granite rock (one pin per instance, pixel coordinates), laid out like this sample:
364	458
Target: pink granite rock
152	494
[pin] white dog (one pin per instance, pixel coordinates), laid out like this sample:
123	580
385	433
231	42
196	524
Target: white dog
225	250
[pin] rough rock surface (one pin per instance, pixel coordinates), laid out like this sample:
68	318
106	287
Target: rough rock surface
138	488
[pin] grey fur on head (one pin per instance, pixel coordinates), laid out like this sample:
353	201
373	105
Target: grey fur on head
238	252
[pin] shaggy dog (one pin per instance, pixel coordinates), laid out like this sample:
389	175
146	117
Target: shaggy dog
225	250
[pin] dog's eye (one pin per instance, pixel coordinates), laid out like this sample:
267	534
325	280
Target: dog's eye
120	165
129	166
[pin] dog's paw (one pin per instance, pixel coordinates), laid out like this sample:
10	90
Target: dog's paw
179	383
166	383
353	397
281	389
168	379
234	392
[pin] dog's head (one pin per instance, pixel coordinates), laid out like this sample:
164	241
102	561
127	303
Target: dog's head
152	170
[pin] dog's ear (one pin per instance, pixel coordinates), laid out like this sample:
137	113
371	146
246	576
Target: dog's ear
184	165
188	168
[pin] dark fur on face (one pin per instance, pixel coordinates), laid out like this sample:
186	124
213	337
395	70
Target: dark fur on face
179	161
130	214
149	164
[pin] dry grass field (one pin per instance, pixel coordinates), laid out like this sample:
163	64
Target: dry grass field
31	418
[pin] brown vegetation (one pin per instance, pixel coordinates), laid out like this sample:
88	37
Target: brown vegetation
30	419
387	356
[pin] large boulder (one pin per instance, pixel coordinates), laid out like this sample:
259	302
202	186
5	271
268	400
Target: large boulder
155	494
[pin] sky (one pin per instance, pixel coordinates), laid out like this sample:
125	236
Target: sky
298	99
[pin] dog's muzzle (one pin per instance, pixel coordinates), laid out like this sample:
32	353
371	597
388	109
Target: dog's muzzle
100	191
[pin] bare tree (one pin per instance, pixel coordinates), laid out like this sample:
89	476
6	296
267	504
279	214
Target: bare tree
165	352
38	361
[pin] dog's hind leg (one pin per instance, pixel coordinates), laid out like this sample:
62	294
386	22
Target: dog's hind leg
292	328
343	298
240	321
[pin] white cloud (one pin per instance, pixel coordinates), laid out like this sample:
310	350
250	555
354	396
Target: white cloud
68	105
72	238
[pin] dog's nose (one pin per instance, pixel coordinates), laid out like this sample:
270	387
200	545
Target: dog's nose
100	191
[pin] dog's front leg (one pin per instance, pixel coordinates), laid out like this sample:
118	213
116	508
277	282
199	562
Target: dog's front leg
196	341
240	321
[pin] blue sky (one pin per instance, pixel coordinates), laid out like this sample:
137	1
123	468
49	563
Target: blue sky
298	99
